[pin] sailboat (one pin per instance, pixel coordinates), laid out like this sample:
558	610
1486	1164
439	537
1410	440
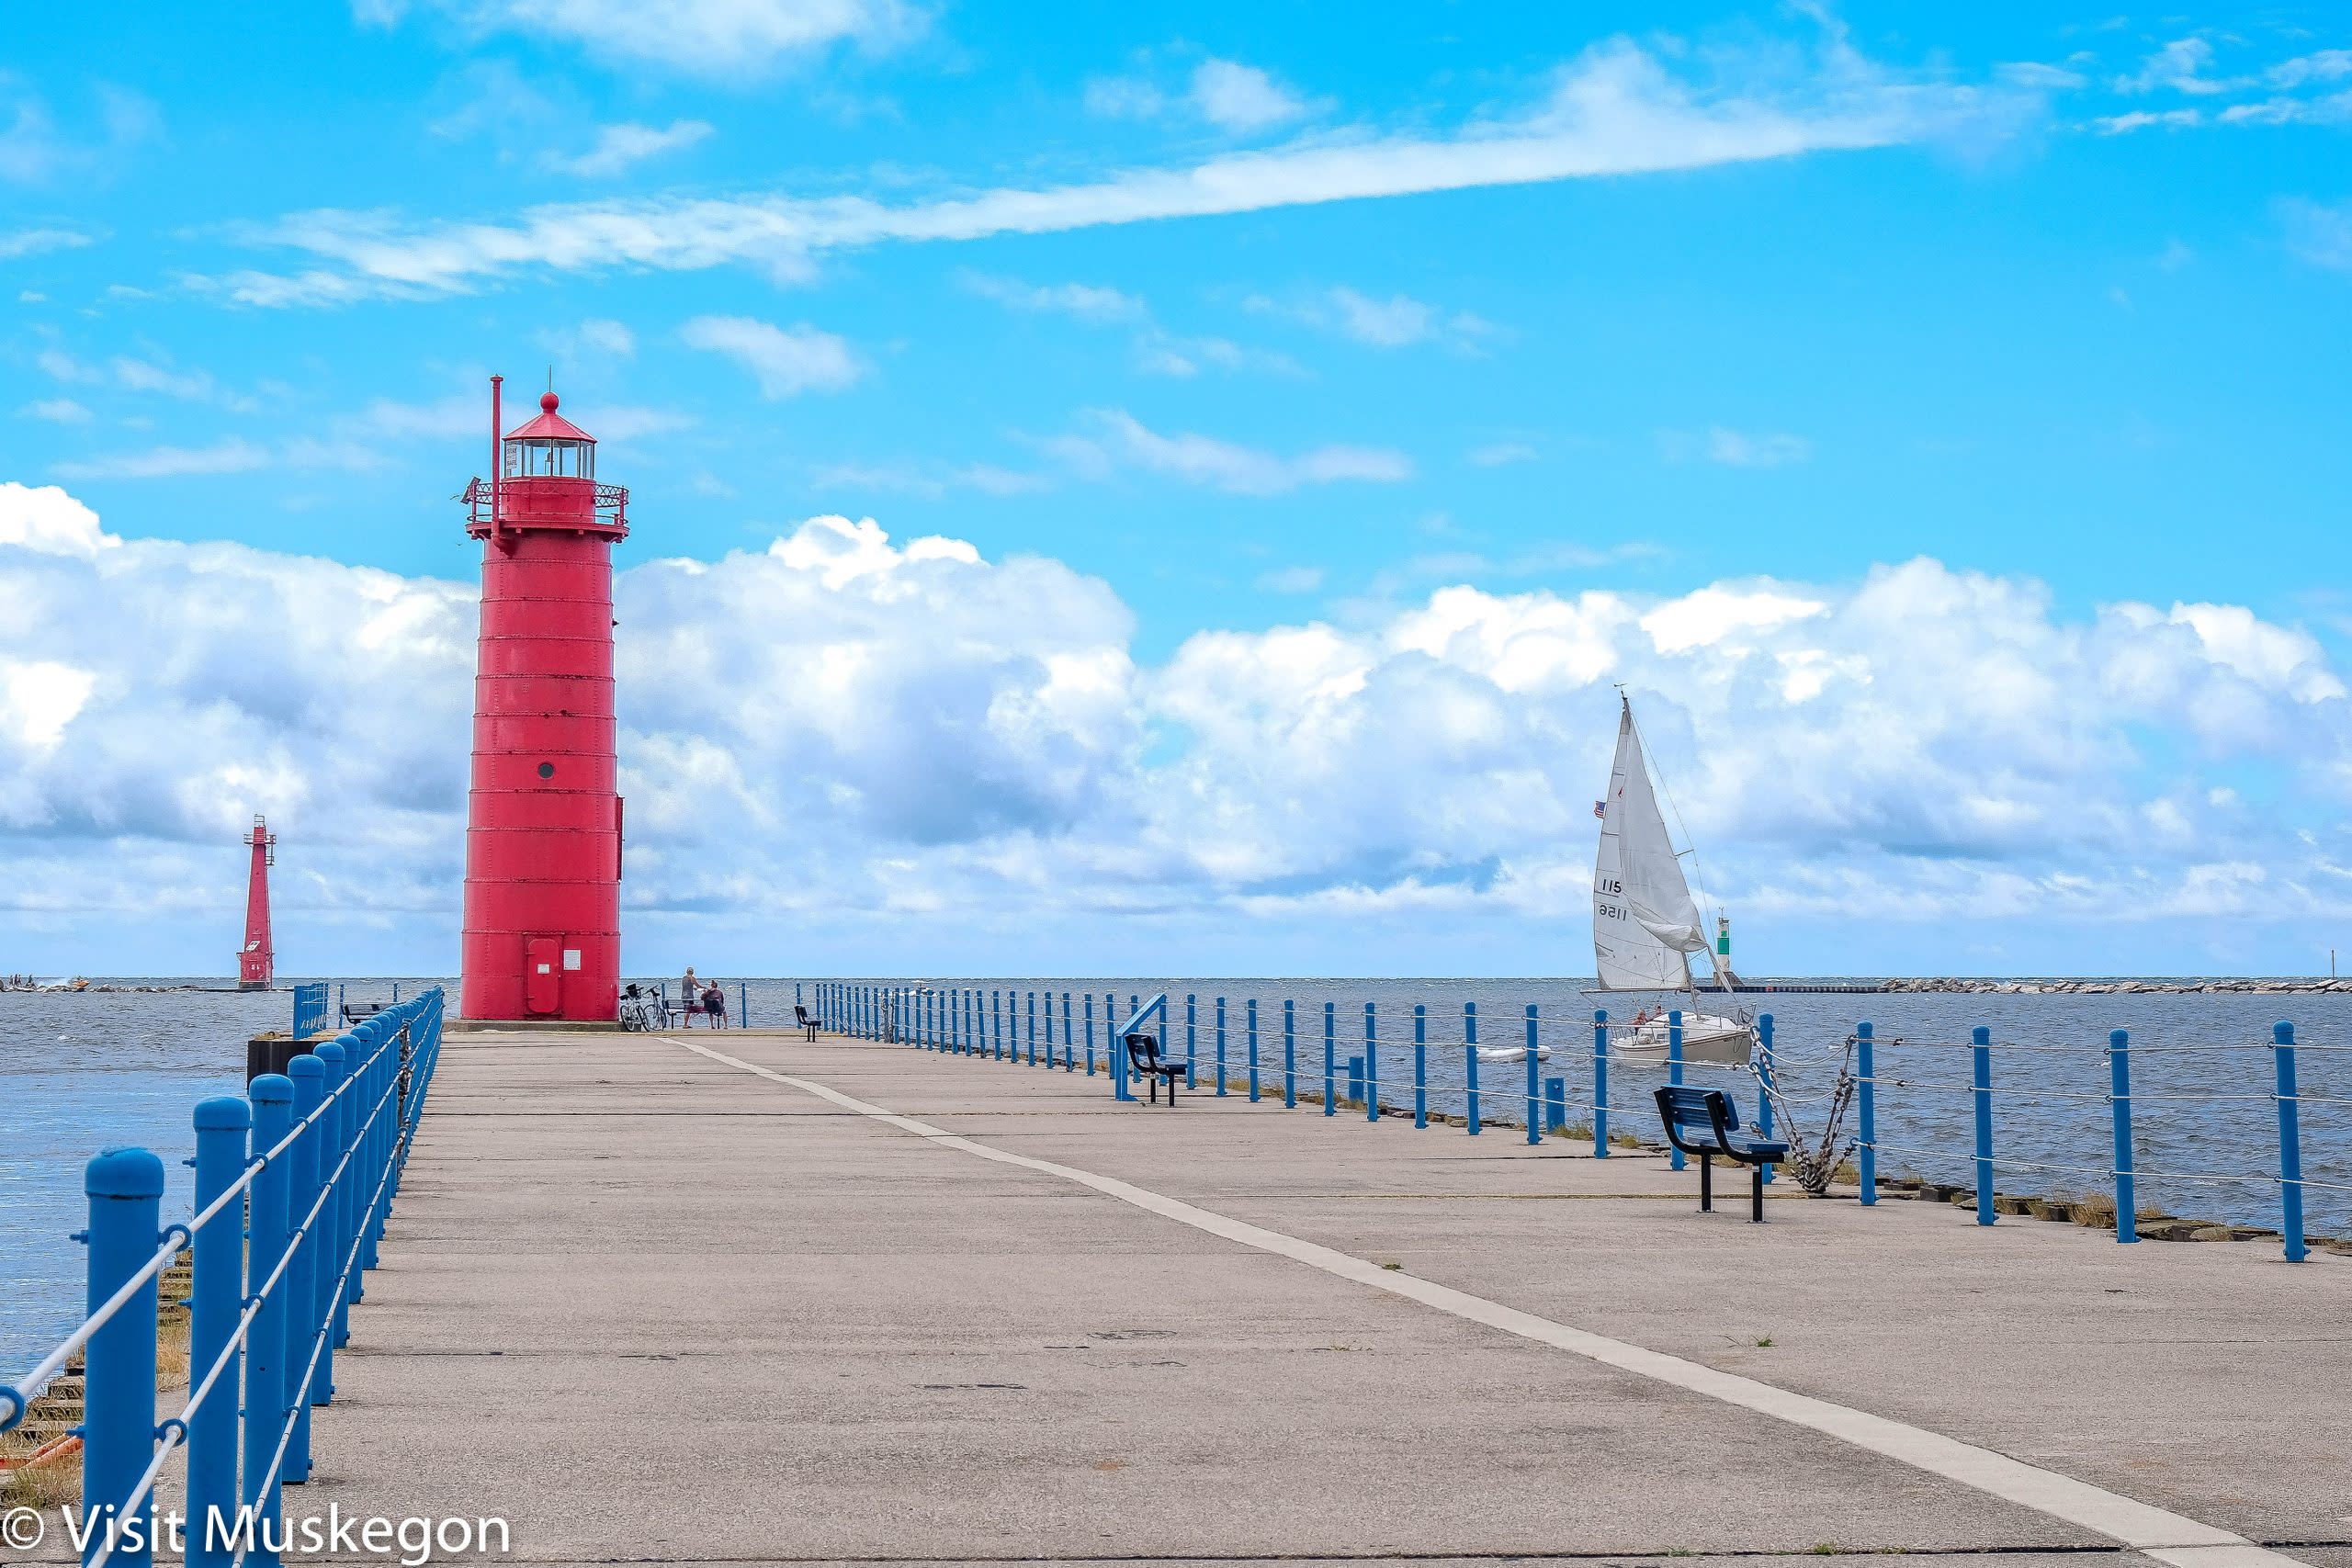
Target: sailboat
1644	925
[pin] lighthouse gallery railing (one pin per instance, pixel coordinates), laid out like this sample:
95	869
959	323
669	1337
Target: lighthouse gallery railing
293	1185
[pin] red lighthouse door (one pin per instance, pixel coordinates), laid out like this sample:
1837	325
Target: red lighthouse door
542	976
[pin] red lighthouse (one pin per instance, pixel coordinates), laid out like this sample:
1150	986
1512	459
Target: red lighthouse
257	960
543	827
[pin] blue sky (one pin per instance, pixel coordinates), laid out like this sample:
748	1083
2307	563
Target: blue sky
1265	326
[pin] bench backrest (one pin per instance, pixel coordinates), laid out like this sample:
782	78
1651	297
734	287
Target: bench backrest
1143	1050
800	1013
1700	1110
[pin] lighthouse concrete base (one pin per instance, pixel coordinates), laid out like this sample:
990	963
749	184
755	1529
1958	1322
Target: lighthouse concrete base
530	1025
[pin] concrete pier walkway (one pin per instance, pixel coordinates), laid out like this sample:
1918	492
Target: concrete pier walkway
745	1298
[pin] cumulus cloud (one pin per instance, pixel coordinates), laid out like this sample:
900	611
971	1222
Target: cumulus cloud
898	730
1615	110
785	361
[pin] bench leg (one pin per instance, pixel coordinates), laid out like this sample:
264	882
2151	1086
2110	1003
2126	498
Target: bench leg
1756	1209
1171	1092
1706	1184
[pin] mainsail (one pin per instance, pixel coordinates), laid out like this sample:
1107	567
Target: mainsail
1644	923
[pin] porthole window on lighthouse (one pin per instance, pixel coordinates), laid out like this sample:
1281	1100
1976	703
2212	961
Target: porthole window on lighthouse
547	769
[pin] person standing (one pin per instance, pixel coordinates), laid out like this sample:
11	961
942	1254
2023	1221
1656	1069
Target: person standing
689	998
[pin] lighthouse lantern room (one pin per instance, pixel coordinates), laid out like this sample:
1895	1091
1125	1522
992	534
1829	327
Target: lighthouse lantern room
543	830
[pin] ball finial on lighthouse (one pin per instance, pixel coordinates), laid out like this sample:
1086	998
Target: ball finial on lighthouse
543	822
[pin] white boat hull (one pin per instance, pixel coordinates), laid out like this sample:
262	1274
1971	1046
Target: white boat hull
1718	1042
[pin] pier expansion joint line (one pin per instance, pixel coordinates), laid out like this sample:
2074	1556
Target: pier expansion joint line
2168	1537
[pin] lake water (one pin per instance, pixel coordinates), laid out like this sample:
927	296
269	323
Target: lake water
79	1073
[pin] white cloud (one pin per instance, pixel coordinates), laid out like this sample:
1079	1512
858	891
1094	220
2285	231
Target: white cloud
1291	579
1616	110
189	386
63	367
2319	233
46	520
1736	448
1243	98
1087	301
2145	120
2035	73
704	38
619	147
231	455
57	411
2179	66
38	241
1116	439
785	361
879	727
930	480
1394	323
1496	453
34	151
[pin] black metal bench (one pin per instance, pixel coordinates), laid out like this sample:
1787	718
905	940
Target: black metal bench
1703	1121
360	1012
1143	1055
808	1023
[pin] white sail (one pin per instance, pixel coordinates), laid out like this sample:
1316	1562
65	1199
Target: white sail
1643	922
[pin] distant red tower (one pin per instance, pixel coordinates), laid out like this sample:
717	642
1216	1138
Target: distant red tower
543	827
257	960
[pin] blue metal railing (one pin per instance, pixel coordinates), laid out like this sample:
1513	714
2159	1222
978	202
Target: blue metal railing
961	1019
309	1161
309	1010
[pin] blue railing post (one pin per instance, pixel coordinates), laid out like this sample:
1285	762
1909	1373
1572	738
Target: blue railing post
1290	1055
1330	1061
1090	1034
2118	1098
1866	1146
1032	1025
1764	1067
742	1004
1069	1043
1555	1106
1370	1066
125	1188
1192	1039
2290	1140
1355	1079
333	1061
302	1188
1220	1048
1116	1047
1674	1071
1421	1064
265	1413
1252	1026
217	1298
1980	1052
1470	1066
1601	1083
1534	1093
1117	1050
